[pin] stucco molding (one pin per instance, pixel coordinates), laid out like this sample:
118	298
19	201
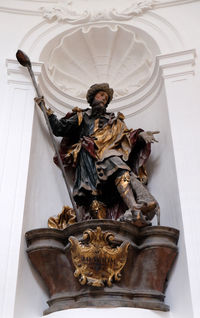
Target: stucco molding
17	74
178	64
66	11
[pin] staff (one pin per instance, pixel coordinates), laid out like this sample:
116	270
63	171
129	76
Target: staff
24	60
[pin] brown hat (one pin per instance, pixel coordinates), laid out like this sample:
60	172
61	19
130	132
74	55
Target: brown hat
94	89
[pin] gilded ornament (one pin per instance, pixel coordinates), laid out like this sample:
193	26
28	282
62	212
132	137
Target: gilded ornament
63	219
98	210
98	259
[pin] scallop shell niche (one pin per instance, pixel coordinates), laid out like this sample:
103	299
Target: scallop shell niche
96	54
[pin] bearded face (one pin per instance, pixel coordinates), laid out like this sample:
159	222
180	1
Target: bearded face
99	103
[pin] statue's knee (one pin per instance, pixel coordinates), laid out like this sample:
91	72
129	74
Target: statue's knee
122	182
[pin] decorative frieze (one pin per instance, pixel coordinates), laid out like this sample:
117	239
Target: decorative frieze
77	12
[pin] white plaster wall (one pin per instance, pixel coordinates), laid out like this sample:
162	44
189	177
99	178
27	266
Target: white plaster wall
185	129
15	135
185	20
16	118
163	185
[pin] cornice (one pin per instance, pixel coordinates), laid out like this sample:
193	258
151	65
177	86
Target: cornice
169	3
18	74
177	64
20	11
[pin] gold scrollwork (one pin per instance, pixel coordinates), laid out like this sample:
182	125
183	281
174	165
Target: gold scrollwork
98	259
63	219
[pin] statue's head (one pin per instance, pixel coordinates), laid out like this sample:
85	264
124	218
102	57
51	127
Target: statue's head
99	92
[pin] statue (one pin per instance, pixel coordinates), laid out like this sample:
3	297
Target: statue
115	258
108	160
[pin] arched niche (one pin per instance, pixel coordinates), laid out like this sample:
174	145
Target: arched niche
144	107
119	54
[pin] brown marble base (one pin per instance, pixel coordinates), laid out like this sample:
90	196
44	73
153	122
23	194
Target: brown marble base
151	254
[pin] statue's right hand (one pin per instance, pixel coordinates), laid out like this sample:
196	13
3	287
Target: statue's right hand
39	100
148	136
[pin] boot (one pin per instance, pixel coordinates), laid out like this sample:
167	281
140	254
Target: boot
134	212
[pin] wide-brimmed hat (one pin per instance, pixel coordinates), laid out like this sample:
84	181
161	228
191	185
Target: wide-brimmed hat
94	89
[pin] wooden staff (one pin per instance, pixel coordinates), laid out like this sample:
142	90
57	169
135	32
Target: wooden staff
24	60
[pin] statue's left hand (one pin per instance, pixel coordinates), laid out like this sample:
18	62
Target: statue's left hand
148	136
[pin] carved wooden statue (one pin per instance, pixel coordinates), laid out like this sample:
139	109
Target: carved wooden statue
109	255
108	159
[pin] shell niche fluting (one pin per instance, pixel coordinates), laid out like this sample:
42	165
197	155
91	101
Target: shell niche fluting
96	54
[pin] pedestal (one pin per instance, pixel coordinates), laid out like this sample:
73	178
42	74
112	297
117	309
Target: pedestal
143	279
